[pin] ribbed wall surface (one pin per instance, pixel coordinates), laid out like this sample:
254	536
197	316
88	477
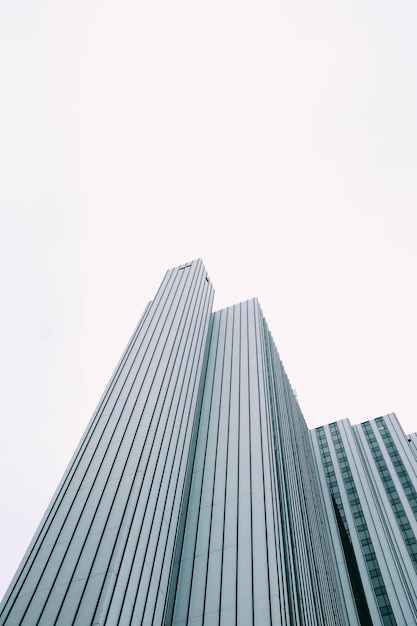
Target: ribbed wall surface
368	474
306	563
193	496
104	550
255	550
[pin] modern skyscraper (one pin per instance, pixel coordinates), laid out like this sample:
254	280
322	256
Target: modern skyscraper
197	494
369	482
253	546
104	550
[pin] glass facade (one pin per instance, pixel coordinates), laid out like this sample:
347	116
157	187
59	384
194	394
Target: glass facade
389	485
368	474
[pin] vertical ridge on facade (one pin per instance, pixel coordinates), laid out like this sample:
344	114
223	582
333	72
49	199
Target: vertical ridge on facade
233	554
368	477
88	542
198	497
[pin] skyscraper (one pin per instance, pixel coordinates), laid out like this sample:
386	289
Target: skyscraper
197	494
254	547
103	552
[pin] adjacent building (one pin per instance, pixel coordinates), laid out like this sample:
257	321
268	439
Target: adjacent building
369	485
198	496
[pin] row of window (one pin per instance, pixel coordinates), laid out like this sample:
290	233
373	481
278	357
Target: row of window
331	475
392	494
400	469
361	527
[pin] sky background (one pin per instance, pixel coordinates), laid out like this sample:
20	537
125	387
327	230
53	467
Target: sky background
275	140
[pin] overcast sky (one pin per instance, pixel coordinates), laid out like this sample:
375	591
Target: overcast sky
275	140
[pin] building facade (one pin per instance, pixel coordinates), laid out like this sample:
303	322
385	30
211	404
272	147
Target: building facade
104	550
198	496
369	484
254	549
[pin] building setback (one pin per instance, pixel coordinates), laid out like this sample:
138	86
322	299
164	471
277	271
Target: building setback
198	496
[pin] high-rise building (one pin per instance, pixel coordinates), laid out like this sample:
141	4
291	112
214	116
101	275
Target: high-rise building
198	496
369	484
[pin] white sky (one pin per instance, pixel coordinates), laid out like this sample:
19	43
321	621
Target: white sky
275	140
